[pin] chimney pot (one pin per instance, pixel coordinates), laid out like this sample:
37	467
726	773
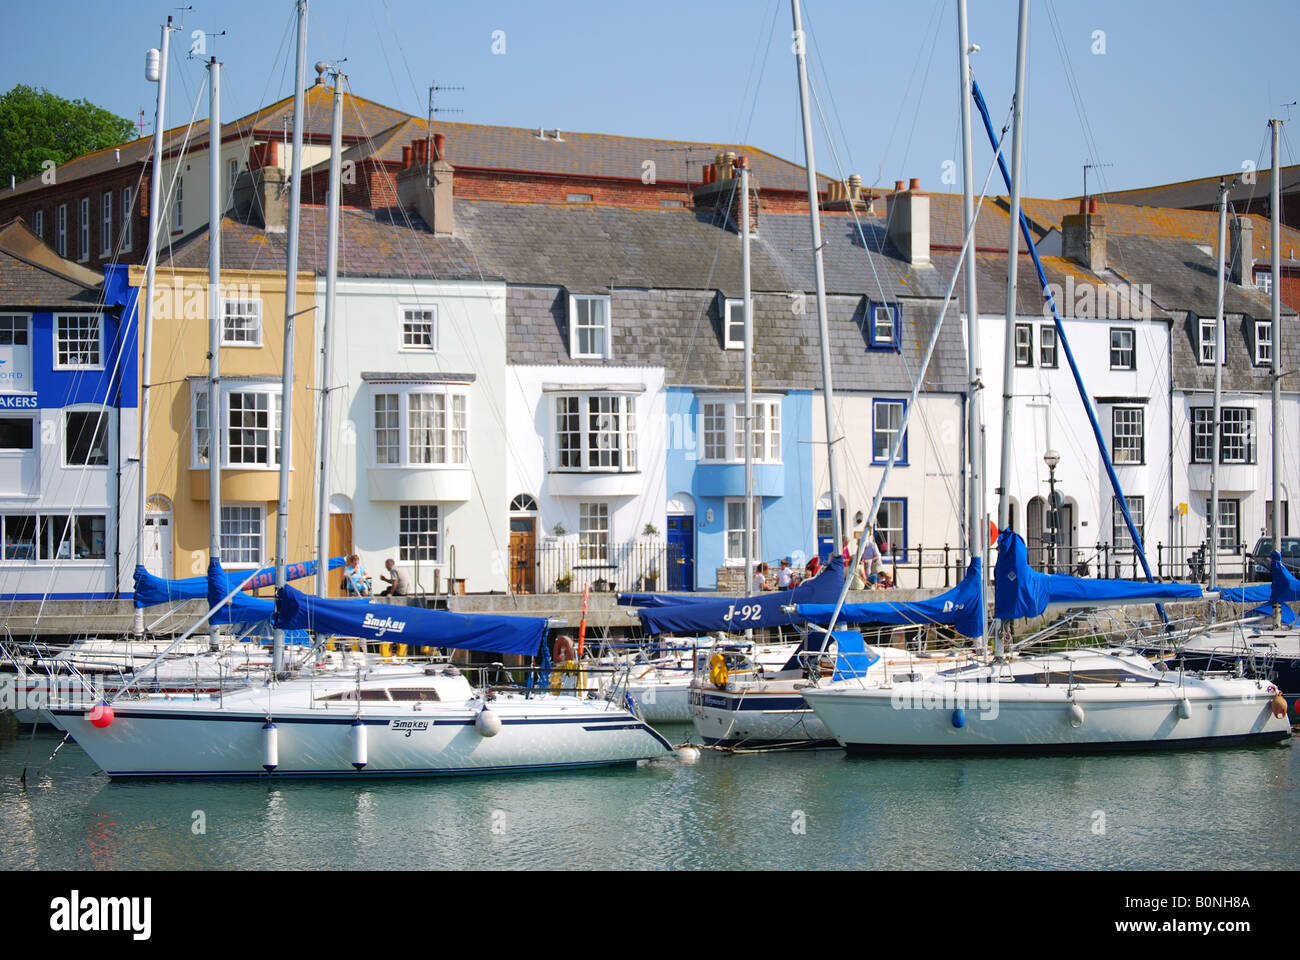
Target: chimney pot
915	184
439	142
742	163
406	157
1083	205
899	186
1092	205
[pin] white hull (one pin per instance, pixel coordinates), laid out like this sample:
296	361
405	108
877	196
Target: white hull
1002	715
198	738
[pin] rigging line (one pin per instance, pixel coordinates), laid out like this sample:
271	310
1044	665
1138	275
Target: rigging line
766	48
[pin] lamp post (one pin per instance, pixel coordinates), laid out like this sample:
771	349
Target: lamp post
1052	458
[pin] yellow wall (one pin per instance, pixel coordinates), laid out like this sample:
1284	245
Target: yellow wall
180	344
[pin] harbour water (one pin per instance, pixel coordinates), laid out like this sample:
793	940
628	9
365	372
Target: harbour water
1222	809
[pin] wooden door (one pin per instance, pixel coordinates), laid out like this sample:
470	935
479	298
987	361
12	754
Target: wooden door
340	546
523	554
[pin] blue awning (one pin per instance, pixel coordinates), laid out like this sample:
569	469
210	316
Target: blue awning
674	614
959	607
414	625
1021	591
151	590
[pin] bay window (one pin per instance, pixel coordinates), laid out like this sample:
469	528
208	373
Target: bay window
249	420
595	432
723	429
420	425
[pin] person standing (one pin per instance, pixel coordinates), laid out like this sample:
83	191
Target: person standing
784	575
871	558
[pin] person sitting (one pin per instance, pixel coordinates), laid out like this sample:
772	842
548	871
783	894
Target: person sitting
760	578
356	578
885	580
397	583
784	575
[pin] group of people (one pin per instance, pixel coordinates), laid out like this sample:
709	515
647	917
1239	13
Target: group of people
358	583
868	575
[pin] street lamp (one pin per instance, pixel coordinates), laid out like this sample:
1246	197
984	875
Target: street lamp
1052	458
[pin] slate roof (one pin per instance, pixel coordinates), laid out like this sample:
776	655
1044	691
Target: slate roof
28	285
1204	191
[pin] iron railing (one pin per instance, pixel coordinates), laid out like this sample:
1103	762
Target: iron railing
564	566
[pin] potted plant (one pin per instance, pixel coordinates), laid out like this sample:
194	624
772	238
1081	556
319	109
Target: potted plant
650	530
651	578
559	530
563	582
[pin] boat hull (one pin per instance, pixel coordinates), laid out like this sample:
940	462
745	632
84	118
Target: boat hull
757	719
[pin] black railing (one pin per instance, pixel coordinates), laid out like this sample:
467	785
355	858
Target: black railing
565	566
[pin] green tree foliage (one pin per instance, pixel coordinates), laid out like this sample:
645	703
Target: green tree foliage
36	125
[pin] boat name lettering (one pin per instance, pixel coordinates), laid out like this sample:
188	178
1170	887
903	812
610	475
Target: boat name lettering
386	625
409	726
751	612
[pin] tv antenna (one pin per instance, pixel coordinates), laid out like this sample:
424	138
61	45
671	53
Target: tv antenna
1089	165
434	111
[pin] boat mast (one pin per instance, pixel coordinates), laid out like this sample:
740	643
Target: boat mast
1275	265
747	293
977	529
146	335
290	316
1213	519
832	434
215	210
1013	253
327	339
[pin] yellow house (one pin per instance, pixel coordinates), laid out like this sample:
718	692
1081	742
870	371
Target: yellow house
247	416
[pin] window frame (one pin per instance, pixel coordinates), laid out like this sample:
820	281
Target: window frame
1131	348
600	538
578	404
106	224
104	431
83	230
408	548
227	550
226	304
25	319
728	342
454	452
1242	419
1119	529
1219	527
1201	422
1266	325
888	557
228	388
606	328
403	318
1207	348
1043	331
894	341
729	559
770	439
1118	413
876	404
58	338
61	230
1027	358
38	223
40	541
178	206
128	218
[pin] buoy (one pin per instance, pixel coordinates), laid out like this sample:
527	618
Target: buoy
1184	707
270	747
1076	715
1278	705
487	723
101	715
959	718
1297	705
687	753
360	755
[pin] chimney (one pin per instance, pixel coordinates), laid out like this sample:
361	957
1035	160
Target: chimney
848	196
1241	248
908	219
428	186
262	196
406	156
1083	236
721	188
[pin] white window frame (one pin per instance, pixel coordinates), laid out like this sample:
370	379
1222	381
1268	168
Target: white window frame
38	223
721	420
589	423
1127	444
733	339
888	430
61	230
178	208
1263	342
1238	429
1131	349
417	524
735	506
83	230
232	176
604	329
1264	280
106	224
887	505
1048	331
228	388
232	309
594	534
58	339
890	327
447	451
128	220
1231	505
1201	420
1121	539
405	343
1024	344
106	419
1207	347
246	512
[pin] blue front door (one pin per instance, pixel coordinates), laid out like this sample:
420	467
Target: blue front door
681	552
826	545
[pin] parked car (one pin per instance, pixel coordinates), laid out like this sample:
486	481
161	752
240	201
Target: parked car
1263	549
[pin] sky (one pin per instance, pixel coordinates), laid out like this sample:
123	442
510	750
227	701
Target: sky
1157	91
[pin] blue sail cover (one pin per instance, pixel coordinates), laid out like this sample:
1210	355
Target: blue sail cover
295	610
1021	591
1283	588
242	608
688	614
959	606
151	590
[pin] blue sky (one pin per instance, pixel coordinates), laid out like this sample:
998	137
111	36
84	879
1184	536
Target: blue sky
1182	89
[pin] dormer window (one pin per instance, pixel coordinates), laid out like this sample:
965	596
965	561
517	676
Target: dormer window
1207	341
589	328
883	326
733	324
1263	342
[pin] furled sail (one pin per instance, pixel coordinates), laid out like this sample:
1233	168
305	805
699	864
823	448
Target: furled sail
1021	591
151	590
959	607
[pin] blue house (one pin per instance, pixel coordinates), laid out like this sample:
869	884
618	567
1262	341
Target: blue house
68	428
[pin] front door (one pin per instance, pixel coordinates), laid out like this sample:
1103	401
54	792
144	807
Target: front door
340	546
826	545
523	554
158	544
681	552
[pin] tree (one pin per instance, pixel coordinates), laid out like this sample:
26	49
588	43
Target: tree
36	125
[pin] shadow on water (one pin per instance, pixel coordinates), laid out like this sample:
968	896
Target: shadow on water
821	809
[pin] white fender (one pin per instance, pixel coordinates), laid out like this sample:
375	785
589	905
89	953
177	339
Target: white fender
1076	715
487	723
270	747
360	755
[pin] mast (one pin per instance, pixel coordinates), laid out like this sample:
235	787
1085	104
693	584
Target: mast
747	293
977	529
146	335
214	328
1213	519
1013	253
327	338
290	316
1275	265
819	273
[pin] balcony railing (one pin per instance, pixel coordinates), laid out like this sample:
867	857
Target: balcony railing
567	566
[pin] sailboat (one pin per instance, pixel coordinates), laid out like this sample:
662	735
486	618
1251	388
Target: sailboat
1069	700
